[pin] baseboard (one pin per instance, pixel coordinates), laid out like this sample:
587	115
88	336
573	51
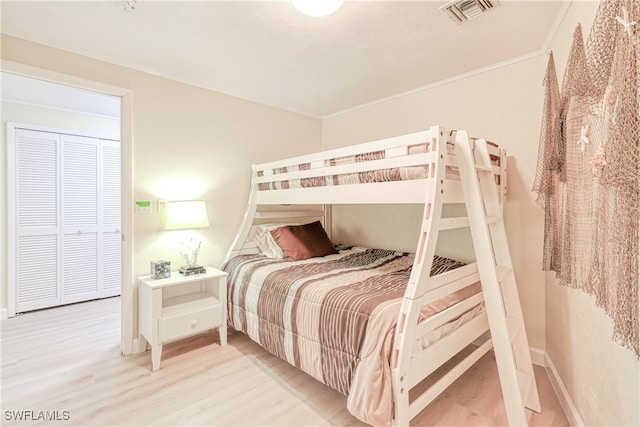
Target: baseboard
563	395
4	314
136	346
537	356
140	345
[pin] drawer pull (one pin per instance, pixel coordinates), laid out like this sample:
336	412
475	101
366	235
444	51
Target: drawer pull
194	323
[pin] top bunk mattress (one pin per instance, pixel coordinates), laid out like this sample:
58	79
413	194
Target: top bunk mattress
397	168
362	177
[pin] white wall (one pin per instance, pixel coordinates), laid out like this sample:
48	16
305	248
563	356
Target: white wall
601	377
32	115
187	143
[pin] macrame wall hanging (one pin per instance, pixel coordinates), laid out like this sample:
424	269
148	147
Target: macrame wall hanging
588	172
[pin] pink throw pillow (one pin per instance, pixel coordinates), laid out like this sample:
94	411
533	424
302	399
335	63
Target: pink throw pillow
305	241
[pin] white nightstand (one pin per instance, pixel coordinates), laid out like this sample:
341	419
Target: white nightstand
180	306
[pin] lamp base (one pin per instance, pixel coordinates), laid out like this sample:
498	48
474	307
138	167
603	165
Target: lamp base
190	270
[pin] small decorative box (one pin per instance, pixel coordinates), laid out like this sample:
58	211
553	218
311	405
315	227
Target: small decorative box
160	269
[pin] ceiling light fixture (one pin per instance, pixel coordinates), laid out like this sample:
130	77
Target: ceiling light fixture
317	7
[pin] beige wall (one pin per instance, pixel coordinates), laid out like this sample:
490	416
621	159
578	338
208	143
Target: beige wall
187	143
601	377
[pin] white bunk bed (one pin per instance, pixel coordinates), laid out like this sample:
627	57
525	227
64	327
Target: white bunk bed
420	168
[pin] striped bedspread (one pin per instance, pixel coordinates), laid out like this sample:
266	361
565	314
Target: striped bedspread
333	317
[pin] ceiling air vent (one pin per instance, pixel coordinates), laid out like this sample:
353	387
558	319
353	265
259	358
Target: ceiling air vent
463	10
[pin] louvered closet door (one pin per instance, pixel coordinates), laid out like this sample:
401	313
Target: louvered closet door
80	229
37	220
110	225
67	219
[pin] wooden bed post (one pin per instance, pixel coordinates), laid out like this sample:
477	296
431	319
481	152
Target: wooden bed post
326	220
247	220
420	275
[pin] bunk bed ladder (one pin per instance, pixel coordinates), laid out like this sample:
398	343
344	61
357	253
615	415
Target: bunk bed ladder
506	323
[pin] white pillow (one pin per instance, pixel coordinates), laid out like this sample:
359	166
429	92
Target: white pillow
265	242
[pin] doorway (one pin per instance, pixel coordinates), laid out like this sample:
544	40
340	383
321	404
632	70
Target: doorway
125	132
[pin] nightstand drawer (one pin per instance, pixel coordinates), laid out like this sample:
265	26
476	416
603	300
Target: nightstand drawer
174	327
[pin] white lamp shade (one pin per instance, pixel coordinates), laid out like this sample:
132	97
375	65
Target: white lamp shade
186	214
317	7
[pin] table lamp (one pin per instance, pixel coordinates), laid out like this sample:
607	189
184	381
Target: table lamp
188	215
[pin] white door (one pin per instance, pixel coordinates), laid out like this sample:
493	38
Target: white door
67	216
79	179
35	252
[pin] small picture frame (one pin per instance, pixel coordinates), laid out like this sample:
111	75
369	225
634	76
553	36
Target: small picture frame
160	269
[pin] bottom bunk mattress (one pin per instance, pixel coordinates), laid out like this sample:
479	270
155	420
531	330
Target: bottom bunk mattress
334	317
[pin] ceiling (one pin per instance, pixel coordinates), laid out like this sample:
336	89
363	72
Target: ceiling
23	90
266	51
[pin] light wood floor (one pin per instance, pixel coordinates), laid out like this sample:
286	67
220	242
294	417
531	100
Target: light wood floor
68	359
